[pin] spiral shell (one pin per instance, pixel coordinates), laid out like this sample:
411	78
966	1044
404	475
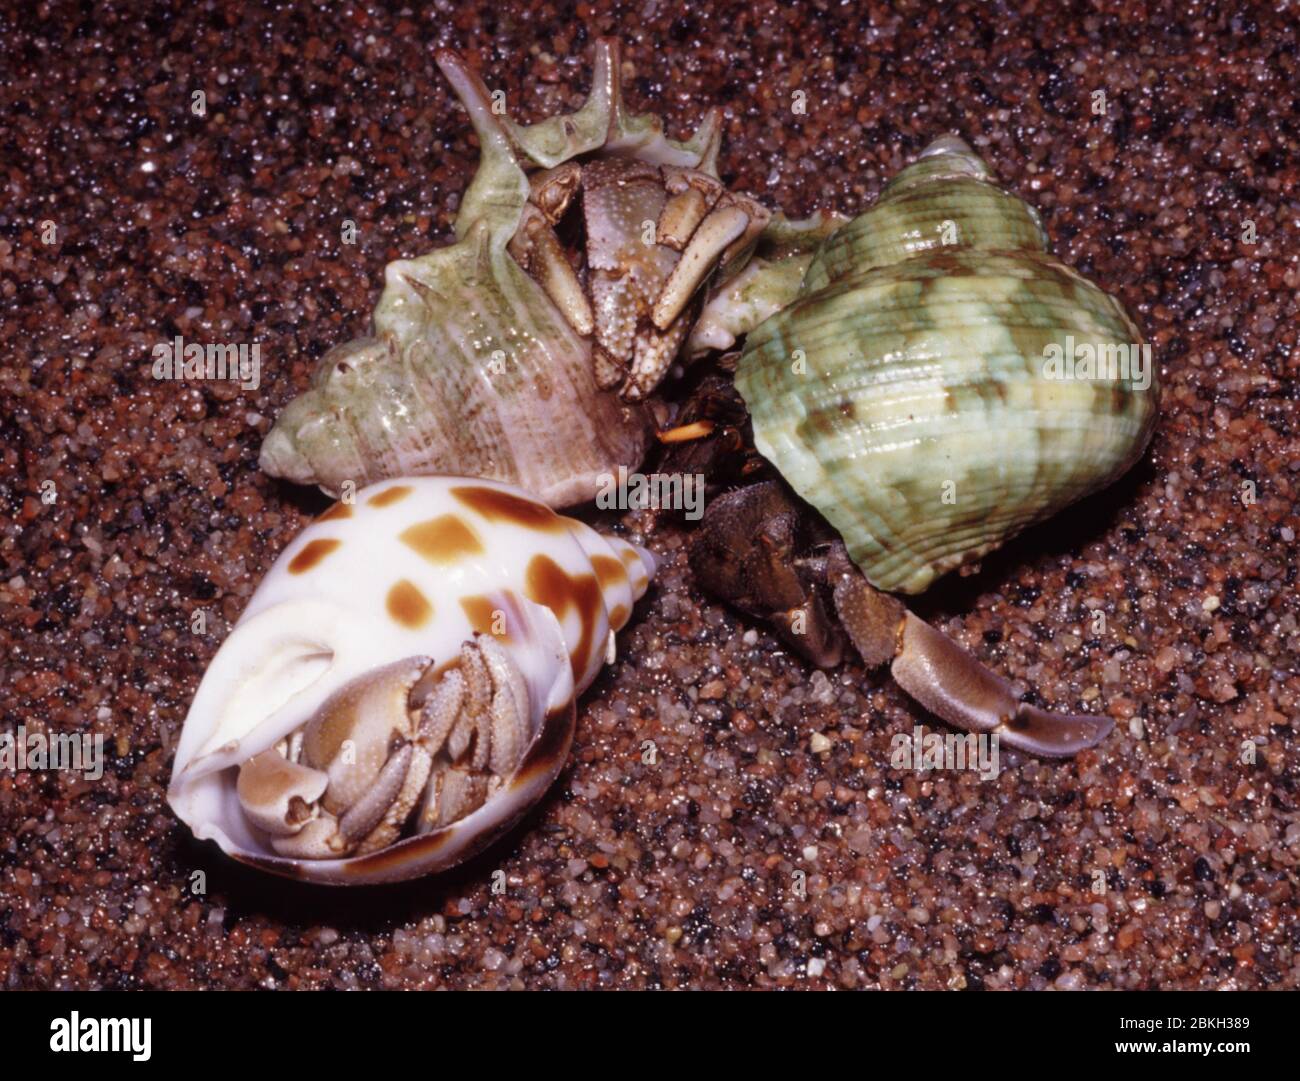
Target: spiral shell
927	390
401	687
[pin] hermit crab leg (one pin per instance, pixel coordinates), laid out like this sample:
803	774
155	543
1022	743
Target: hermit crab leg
721	230
681	216
475	728
609	373
653	354
691	195
538	250
395	793
555	274
949	681
716	233
509	711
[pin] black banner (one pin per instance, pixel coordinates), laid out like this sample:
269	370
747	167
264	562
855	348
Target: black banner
333	1031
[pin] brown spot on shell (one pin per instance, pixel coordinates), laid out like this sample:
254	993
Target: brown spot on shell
285	868
408	605
550	584
636	571
444	539
609	571
338	512
402	854
618	617
498	506
389	496
311	555
824	422
485	616
1119	397
948	262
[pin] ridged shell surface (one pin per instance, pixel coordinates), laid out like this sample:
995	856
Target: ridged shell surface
907	394
909	220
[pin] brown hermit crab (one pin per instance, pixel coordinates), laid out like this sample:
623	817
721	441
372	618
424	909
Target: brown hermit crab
938	383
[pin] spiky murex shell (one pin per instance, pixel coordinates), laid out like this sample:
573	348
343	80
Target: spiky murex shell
469	367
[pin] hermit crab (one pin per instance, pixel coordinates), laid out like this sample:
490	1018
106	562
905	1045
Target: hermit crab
401	687
937	383
500	355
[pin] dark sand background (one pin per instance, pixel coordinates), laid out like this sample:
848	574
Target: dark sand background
682	874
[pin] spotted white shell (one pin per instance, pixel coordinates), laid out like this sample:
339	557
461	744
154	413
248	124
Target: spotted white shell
412	567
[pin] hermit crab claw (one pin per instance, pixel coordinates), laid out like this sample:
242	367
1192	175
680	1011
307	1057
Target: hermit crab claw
276	671
950	682
762	552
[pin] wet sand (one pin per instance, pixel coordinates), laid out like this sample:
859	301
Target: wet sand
685	873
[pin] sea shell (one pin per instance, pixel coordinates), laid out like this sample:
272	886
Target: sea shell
912	392
442	627
489	357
